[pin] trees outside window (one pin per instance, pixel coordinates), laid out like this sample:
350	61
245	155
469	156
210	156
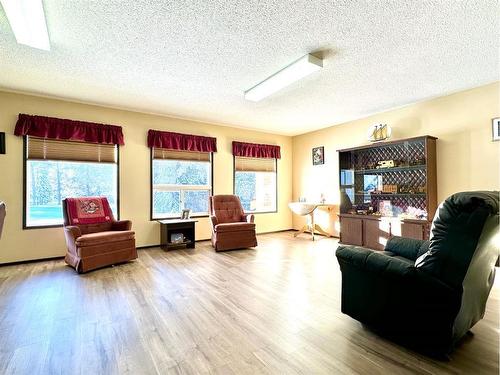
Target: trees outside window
48	182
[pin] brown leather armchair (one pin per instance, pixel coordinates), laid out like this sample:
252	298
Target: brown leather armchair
231	227
97	244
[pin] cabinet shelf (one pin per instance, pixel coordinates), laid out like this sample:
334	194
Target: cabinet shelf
423	195
393	169
176	245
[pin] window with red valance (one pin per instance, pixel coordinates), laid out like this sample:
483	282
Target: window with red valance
181	142
255	176
181	168
256	150
65	158
68	130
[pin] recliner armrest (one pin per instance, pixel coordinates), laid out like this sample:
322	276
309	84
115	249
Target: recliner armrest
72	231
214	221
249	218
122	225
379	263
407	247
373	261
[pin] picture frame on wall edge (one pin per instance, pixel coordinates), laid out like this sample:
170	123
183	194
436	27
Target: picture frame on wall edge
495	124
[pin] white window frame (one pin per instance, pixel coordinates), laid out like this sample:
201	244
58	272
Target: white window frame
182	189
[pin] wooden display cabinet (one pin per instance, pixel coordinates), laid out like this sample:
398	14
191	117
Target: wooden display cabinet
384	181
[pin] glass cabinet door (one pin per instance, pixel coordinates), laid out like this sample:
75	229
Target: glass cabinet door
347	191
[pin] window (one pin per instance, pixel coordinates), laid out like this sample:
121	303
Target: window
255	183
180	180
59	169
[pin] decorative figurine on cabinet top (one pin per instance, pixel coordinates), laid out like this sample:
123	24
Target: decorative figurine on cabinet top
379	132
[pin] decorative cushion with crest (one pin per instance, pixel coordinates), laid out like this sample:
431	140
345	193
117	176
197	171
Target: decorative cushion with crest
89	210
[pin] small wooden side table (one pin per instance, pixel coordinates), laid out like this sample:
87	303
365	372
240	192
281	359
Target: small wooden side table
170	228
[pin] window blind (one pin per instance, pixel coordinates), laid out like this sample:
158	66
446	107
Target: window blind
162	153
50	149
243	164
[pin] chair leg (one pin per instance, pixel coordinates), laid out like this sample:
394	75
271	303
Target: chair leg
302	230
321	231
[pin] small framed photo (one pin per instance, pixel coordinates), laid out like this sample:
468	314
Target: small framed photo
385	208
318	155
496	128
185	214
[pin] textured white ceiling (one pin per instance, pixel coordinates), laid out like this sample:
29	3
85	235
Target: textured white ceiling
194	59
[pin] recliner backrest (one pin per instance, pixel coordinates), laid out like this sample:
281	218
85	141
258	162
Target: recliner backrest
226	208
479	278
455	232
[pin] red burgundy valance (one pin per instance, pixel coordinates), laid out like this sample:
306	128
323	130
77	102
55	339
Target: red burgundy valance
62	129
255	150
183	142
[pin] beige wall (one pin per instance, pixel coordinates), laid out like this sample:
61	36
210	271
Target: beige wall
17	244
467	159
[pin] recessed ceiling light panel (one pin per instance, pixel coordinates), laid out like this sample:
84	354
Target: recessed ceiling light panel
27	21
299	69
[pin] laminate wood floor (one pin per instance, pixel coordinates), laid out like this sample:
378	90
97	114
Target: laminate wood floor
273	310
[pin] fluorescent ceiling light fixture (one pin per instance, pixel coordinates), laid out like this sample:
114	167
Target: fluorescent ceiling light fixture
299	69
27	20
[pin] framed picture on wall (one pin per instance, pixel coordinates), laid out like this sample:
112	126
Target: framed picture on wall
318	155
496	128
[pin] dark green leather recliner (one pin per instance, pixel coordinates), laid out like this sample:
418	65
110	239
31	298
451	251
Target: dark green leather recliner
427	294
